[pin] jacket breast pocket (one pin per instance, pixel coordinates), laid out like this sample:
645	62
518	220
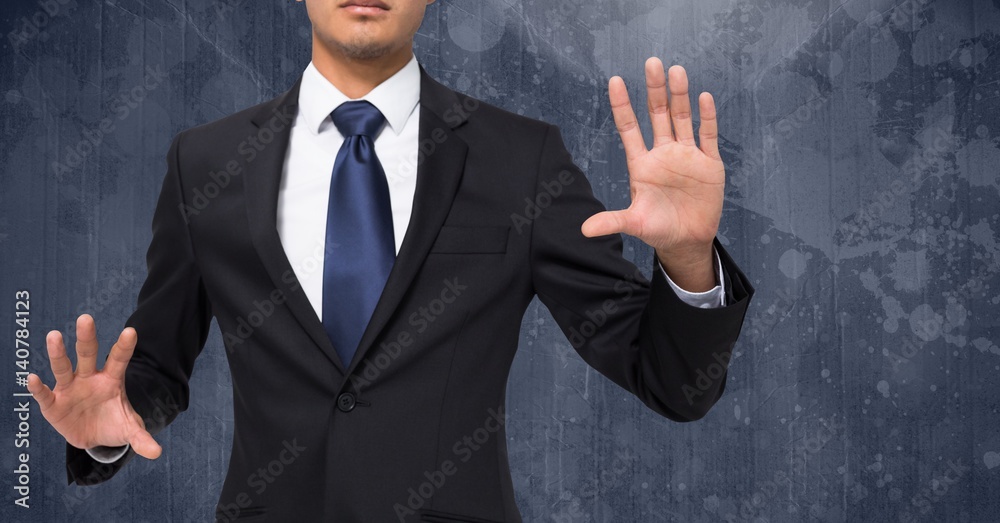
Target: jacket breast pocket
471	240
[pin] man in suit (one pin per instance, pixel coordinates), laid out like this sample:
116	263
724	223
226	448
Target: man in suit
368	242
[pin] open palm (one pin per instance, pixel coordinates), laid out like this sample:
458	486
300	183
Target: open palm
677	186
89	407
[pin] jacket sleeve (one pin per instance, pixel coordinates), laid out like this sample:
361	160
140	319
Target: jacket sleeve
171	320
673	356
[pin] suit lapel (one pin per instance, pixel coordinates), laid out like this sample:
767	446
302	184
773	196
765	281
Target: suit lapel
438	175
261	179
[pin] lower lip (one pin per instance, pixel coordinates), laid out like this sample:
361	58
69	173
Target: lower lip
365	10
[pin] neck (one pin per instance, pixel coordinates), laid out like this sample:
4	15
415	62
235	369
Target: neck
357	77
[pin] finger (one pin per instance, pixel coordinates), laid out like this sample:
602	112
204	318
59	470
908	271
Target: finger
680	105
42	394
656	100
608	222
708	130
62	368
121	353
144	445
628	127
86	346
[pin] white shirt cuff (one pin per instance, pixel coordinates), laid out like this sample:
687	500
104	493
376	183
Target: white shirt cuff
107	454
710	299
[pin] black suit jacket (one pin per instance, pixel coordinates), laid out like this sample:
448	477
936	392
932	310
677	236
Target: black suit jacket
411	429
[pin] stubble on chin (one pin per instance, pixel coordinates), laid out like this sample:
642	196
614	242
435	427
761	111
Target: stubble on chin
361	49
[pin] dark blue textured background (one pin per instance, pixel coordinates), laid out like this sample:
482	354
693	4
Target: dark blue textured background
862	143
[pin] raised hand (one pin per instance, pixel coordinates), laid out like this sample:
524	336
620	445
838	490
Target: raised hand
88	407
678	186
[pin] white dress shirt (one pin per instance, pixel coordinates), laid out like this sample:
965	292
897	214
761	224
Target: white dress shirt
307	172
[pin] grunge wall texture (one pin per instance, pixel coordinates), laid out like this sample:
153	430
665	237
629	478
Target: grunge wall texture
862	144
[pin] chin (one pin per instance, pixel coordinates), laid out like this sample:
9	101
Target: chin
364	49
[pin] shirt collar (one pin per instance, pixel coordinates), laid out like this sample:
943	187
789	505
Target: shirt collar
395	97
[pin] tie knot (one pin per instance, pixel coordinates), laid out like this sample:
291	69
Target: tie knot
358	117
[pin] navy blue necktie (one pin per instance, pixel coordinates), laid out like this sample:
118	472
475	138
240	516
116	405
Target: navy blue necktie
360	246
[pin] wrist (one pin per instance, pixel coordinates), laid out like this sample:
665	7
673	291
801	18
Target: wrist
691	268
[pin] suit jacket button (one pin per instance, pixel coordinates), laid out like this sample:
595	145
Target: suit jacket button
346	402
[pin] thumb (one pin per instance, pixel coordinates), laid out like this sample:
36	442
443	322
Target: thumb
144	445
608	222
